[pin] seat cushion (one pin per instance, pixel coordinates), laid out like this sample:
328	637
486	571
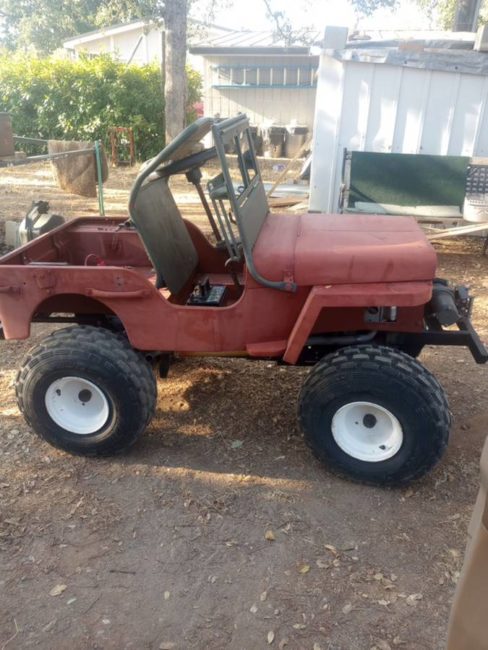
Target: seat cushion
317	249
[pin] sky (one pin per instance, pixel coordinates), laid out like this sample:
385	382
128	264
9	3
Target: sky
250	14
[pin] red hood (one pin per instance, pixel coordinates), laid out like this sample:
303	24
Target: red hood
318	249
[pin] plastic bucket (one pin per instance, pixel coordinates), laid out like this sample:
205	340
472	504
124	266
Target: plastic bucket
294	141
276	141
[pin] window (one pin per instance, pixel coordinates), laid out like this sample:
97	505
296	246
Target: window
264	76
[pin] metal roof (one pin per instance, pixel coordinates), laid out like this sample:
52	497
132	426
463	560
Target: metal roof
253	42
135	25
442	51
443	60
409	35
267	42
385	46
268	38
96	34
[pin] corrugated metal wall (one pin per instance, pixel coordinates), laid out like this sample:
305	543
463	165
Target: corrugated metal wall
384	108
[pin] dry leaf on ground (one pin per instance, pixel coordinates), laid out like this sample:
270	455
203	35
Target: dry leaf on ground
57	590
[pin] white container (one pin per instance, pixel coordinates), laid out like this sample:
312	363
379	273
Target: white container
475	211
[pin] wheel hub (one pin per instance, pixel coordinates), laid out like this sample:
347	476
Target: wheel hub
77	405
367	431
84	395
369	421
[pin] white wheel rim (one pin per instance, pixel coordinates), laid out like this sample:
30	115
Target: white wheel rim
77	405
367	431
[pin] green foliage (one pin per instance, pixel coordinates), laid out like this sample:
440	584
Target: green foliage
446	10
439	12
43	25
194	93
443	12
368	7
483	19
80	100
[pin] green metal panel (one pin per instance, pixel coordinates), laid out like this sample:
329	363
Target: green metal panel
407	179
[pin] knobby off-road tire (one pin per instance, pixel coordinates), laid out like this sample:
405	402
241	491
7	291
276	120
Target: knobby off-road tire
374	414
86	390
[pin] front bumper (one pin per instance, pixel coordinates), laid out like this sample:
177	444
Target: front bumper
448	307
465	336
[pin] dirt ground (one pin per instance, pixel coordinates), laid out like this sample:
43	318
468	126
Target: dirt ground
219	530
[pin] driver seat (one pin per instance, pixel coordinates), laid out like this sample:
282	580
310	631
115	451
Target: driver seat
164	235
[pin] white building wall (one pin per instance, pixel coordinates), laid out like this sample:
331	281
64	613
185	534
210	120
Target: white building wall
262	105
100	46
383	108
122	46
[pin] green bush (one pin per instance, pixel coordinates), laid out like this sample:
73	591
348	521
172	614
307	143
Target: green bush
54	98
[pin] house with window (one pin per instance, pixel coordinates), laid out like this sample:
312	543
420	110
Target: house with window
243	72
257	74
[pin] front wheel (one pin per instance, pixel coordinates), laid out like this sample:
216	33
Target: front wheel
87	391
374	414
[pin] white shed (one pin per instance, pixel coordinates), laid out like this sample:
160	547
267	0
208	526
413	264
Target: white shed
259	74
138	42
424	95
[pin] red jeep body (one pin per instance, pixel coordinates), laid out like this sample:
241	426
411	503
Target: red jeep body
355	296
340	264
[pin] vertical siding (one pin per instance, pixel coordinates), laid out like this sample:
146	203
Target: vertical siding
383	109
412	101
262	105
481	144
392	108
467	112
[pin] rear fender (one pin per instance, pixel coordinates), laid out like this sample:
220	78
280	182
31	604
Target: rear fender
121	292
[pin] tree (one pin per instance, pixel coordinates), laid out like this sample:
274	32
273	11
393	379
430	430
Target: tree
175	16
368	7
44	24
289	34
458	15
283	27
466	16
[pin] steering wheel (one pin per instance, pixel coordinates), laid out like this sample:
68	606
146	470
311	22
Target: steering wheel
184	165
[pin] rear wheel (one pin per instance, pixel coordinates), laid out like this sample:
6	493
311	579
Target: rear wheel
374	414
87	391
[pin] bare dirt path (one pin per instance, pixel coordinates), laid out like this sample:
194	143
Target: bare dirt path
219	530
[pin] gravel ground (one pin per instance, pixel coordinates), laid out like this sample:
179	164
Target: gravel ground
219	530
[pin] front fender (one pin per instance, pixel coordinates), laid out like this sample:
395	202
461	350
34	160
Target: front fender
399	294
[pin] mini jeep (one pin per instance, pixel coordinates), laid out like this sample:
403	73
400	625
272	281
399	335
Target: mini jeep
355	297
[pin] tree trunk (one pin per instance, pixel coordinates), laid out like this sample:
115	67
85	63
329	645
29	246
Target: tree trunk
466	17
175	83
